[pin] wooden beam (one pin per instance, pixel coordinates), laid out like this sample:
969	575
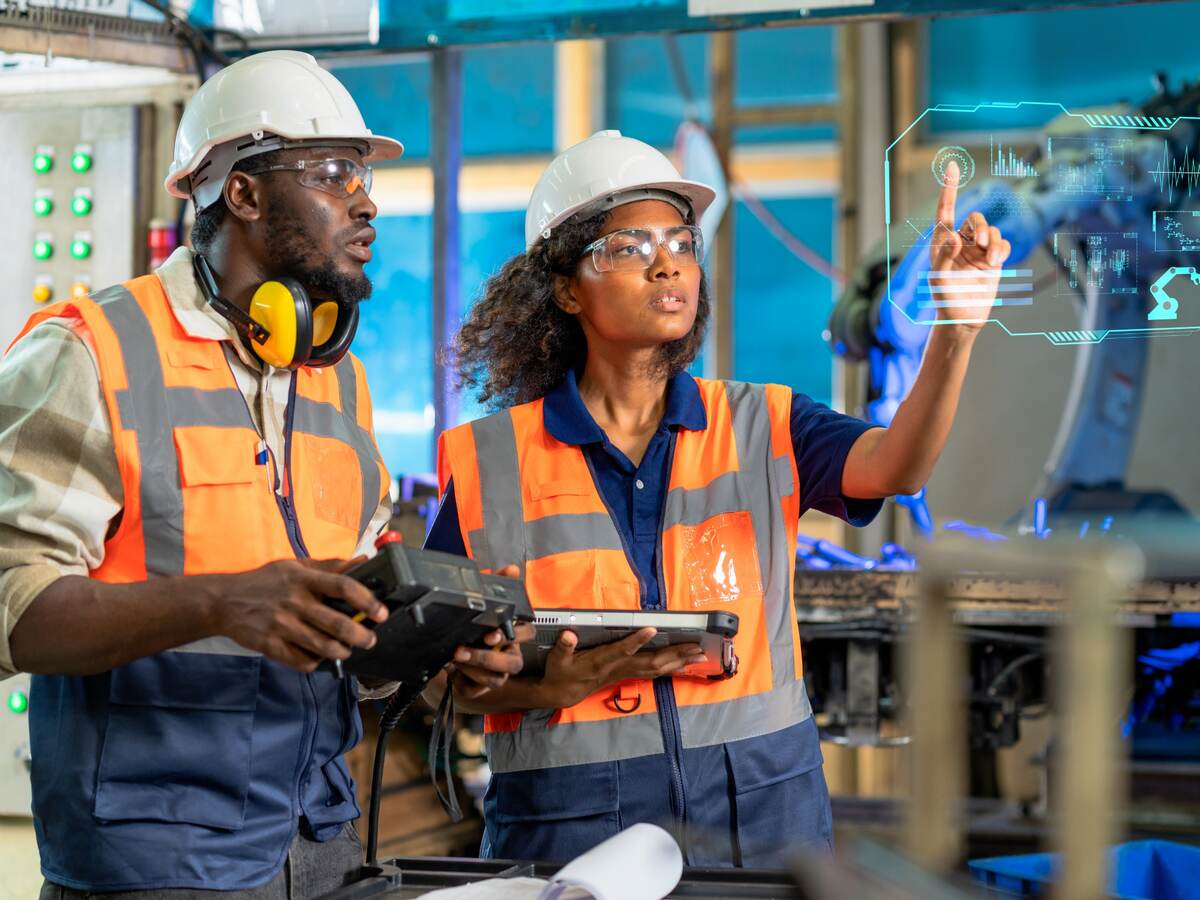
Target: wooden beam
788	114
446	151
578	91
103	48
722	51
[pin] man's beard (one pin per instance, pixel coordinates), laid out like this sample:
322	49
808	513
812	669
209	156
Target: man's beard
292	254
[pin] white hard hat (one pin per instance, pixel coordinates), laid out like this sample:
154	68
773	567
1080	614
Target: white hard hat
604	171
272	100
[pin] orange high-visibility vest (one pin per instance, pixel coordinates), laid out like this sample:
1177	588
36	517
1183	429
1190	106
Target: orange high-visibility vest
189	768
728	543
195	500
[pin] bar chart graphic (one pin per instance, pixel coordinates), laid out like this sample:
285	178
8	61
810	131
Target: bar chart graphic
1007	163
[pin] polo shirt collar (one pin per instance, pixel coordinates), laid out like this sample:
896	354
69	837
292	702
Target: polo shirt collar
568	420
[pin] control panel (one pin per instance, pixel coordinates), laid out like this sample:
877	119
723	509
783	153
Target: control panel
69	227
15	796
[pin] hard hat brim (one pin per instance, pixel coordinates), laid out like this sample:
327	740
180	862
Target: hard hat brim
697	194
378	148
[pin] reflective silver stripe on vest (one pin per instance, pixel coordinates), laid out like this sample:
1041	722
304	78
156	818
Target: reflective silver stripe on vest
217	646
752	431
705	724
571	531
223	408
145	411
536	745
503	534
321	419
757	486
367	454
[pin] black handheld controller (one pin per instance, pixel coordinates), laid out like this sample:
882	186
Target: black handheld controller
436	602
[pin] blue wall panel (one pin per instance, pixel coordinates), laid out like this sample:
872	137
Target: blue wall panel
1074	57
395	339
774	66
394	99
781	306
508	99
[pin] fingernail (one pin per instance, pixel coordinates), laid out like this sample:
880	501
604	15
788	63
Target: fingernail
462	656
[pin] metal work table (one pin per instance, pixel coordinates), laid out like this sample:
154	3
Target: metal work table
404	878
890	597
852	621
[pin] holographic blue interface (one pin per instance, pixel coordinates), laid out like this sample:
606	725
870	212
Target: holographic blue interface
1102	209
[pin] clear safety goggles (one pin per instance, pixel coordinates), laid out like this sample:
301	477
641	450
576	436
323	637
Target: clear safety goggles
635	248
339	177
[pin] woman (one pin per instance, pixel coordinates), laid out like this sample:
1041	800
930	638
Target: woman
614	479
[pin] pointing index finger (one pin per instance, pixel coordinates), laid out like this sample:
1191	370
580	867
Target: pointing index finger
949	194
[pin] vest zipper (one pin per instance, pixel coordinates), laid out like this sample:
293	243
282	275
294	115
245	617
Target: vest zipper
288	509
664	689
286	506
283	476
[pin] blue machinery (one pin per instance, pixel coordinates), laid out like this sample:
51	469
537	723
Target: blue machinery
1095	197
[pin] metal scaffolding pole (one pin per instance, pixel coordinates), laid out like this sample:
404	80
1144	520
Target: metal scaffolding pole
446	159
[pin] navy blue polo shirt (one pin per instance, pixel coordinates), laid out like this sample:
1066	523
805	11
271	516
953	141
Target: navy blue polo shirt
821	439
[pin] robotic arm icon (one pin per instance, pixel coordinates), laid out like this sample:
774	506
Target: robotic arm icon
1168	306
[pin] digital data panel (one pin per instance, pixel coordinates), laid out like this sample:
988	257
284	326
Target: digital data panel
1102	211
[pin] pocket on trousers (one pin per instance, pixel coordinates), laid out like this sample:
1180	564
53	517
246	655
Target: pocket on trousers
781	802
552	814
178	740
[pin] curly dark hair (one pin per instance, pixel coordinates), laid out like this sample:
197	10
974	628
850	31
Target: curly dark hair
517	344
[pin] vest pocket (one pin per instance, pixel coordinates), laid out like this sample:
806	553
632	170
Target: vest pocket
552	814
178	740
718	559
780	799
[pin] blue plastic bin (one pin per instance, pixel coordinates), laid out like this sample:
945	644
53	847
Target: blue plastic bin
1140	870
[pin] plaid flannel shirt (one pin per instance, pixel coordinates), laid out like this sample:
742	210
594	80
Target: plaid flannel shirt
60	489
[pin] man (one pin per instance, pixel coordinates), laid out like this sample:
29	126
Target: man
182	483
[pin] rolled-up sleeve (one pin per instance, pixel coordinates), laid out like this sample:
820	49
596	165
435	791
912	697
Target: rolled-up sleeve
60	487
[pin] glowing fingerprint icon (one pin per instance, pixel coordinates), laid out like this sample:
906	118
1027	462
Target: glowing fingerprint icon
943	158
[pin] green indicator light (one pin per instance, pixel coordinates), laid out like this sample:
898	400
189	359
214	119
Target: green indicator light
80	249
81	161
42	249
42	163
18	702
42	206
81	204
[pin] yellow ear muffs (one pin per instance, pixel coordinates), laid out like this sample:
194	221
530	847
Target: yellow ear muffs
283	308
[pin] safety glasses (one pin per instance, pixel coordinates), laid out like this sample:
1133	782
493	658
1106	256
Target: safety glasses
633	249
339	177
